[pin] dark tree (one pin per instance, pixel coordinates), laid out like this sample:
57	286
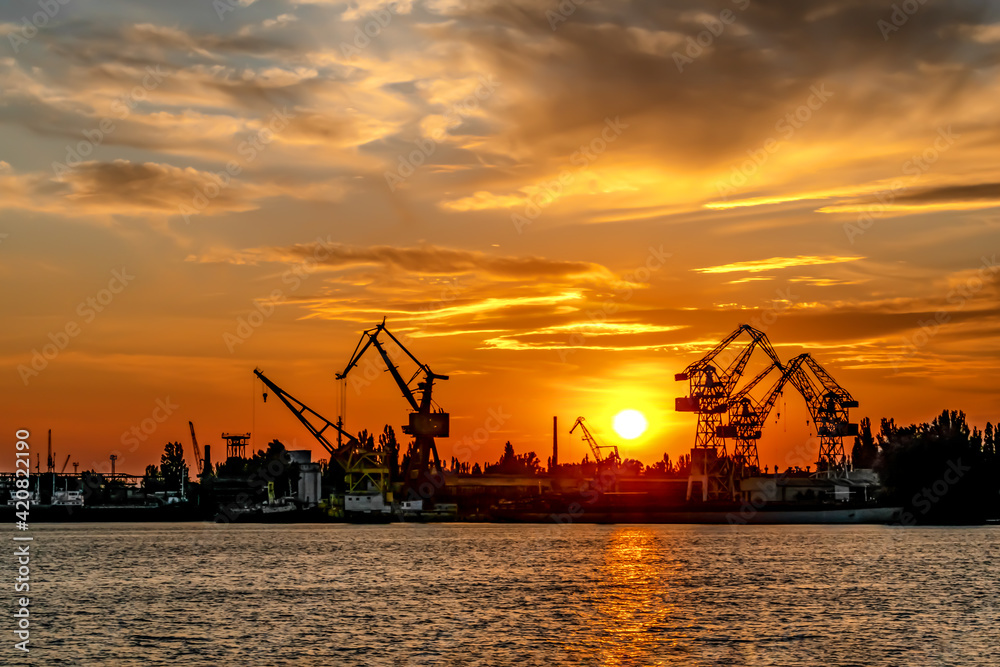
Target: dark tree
390	451
152	481
274	465
937	471
172	468
662	468
865	450
630	467
514	464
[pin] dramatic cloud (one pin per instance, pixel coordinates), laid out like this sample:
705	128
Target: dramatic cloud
562	207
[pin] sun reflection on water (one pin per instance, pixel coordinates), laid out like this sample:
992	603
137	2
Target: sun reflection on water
633	604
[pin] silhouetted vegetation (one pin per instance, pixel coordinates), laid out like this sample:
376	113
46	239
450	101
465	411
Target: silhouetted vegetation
666	468
942	472
172	468
865	451
514	464
939	472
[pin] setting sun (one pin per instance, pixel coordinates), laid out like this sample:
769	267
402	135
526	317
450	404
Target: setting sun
630	424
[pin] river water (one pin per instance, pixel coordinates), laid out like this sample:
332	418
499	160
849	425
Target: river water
405	595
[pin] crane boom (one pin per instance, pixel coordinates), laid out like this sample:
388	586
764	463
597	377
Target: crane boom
66	463
424	423
828	405
748	387
197	453
369	337
307	416
712	389
746	418
589	438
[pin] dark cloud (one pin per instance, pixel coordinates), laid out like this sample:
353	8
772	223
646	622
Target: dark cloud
433	260
123	186
954	193
759	68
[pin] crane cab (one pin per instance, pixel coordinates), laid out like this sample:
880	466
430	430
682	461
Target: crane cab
434	424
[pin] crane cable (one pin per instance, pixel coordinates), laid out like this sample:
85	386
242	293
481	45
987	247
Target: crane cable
342	417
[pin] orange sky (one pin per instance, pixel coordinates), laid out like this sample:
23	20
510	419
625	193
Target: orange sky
560	210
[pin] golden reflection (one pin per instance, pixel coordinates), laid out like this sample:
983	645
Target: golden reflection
634	605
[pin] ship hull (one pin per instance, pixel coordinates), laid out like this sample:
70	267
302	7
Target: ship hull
102	513
733	514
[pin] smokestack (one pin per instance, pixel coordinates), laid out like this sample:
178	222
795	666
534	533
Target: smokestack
208	460
49	463
555	443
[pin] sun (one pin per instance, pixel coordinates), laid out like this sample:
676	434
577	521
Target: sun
630	424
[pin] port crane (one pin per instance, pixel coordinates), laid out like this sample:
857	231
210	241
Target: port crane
829	406
197	453
747	416
364	468
589	438
712	384
420	480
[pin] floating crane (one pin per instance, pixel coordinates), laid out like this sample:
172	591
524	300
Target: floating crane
828	404
365	470
420	481
308	416
589	438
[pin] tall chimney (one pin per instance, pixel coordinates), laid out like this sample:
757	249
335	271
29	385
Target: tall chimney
555	443
208	460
